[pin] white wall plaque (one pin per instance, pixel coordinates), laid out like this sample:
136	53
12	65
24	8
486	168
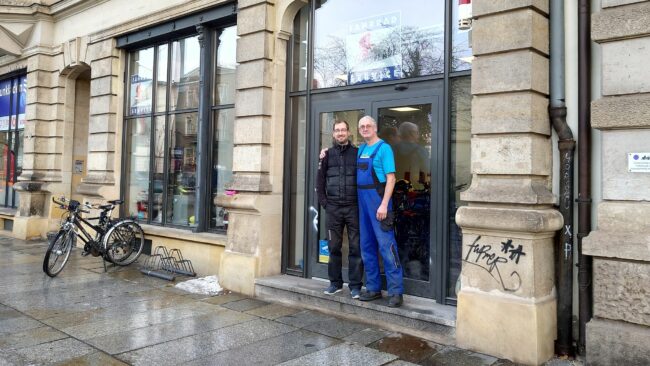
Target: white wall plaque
638	162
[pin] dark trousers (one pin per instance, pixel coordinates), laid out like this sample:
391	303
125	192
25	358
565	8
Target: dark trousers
339	217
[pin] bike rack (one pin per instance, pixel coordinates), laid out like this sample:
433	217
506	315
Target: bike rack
167	264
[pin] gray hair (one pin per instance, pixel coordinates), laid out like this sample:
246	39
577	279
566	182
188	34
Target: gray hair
407	128
374	122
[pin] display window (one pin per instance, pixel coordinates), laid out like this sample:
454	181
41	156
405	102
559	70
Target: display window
13	101
162	130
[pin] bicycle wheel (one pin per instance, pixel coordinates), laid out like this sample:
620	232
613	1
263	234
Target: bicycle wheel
58	252
123	242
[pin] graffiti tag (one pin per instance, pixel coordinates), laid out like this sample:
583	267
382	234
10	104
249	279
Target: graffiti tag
484	257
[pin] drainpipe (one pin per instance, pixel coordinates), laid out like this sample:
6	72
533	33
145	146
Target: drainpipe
566	145
584	168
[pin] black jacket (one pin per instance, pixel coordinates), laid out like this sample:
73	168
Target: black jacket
337	176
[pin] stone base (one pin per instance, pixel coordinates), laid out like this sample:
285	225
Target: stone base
31	227
237	272
506	327
617	343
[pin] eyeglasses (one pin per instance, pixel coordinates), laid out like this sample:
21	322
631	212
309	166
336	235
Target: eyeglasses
341	131
365	127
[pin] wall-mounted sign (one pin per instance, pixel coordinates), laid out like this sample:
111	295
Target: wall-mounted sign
78	167
638	162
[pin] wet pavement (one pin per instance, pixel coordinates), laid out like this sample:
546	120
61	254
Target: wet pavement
87	317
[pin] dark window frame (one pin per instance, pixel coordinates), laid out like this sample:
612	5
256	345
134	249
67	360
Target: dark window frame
208	71
13	141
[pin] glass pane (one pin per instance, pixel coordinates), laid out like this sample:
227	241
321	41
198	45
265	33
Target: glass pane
6	109
161	76
300	47
407	128
389	41
11	178
4	144
222	149
181	186
158	170
138	135
297	199
185	74
461	174
224	89
140	81
461	52
326	140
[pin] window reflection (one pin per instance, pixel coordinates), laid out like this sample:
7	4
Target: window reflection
185	74
141	79
461	53
367	41
138	134
300	43
222	150
161	78
461	174
297	200
181	186
224	89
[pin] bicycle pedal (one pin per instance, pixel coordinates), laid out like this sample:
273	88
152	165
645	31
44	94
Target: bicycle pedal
84	253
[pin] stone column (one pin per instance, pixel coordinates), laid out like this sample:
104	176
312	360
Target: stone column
105	103
254	230
619	332
42	143
507	304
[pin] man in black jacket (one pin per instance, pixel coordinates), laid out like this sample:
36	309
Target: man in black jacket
337	193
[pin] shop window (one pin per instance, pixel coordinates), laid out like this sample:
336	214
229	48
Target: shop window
13	95
368	41
162	131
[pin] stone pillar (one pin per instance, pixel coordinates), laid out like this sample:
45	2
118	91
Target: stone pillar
619	332
105	103
42	143
507	304
254	230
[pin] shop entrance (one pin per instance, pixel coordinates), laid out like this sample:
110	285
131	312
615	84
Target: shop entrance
409	119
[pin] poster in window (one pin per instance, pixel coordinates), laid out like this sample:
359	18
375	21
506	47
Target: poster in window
373	48
5	104
141	95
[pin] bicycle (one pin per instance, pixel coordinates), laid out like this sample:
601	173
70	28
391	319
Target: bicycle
118	241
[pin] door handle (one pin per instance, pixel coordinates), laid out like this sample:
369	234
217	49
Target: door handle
315	220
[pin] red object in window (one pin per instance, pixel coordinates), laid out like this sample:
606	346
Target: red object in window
12	163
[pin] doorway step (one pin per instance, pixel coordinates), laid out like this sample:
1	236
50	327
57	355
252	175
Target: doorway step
418	316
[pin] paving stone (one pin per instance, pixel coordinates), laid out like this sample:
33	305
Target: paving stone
56	351
458	357
343	354
367	336
93	359
130	321
18	324
142	337
303	318
406	347
29	338
245	304
205	344
273	311
270	351
400	363
224	298
335	327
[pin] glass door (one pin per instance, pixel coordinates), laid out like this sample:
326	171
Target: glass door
324	115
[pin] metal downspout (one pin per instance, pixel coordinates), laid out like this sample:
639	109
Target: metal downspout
566	145
584	168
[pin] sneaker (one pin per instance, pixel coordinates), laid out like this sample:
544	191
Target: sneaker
395	301
355	293
332	290
369	296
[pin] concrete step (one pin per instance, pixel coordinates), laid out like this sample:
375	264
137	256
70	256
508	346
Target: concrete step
418	316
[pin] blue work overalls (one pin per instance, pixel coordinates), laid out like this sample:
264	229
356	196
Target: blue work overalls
374	239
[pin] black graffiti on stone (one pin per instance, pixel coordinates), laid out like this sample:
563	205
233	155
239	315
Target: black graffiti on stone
484	257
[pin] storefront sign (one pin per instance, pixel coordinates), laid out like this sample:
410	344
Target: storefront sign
141	95
638	162
373	49
9	96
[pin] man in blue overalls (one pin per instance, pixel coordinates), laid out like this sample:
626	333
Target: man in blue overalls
375	183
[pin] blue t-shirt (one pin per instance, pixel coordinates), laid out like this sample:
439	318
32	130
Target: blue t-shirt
384	161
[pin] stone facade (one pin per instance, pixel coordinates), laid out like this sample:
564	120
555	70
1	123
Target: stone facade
507	306
620	329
